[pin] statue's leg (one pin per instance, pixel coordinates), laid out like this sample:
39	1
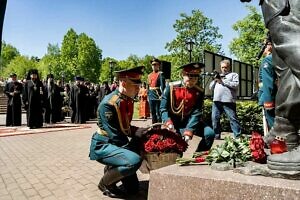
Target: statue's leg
285	31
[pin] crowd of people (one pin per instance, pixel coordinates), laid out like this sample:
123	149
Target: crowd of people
177	106
50	101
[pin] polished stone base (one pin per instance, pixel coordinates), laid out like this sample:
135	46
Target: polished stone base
201	182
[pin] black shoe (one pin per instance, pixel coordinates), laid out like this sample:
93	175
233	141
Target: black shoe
111	191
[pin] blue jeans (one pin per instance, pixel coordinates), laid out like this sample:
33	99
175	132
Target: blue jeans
208	136
230	109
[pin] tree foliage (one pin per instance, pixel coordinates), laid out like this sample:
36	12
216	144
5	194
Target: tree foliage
80	56
89	58
20	65
8	53
201	31
51	63
251	34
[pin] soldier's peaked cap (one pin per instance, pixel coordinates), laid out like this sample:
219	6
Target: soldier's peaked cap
133	74
192	68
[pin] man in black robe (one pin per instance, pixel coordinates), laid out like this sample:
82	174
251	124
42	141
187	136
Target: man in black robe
33	99
13	90
53	101
78	98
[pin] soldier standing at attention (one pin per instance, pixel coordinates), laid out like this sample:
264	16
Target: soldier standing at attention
181	107
156	83
267	85
110	144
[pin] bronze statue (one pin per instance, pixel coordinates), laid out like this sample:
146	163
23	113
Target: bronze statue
282	18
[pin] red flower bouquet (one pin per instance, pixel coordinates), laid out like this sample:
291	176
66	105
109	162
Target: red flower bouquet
163	141
256	146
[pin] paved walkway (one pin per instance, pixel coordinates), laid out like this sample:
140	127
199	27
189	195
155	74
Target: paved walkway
53	165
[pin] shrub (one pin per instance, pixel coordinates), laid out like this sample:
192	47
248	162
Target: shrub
248	112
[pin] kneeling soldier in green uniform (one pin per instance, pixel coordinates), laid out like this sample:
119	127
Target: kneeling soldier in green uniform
181	107
110	144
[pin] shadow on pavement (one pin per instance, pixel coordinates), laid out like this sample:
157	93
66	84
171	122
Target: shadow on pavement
143	193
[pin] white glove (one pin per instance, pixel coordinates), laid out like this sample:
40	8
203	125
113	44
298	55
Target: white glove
186	138
170	127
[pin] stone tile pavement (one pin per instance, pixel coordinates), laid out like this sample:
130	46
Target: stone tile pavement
55	165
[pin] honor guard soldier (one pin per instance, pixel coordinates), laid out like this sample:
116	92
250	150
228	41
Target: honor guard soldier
267	85
157	84
181	107
110	144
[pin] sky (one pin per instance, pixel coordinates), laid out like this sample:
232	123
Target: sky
119	27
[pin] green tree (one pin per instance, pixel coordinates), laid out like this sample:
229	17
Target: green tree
20	65
89	58
80	56
251	33
69	54
200	30
106	71
8	53
51	63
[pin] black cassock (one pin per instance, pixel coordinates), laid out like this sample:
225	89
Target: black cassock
33	99
14	103
78	100
53	103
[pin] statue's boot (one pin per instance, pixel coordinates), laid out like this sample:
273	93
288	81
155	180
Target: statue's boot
285	129
108	184
288	161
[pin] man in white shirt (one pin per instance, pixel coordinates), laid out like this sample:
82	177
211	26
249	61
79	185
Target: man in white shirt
224	87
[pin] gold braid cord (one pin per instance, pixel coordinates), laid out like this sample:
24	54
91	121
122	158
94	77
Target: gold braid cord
127	130
176	110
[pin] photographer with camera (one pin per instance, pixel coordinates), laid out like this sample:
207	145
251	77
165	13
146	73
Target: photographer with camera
224	87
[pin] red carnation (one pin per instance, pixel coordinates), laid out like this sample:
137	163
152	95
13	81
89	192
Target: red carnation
163	141
257	148
199	160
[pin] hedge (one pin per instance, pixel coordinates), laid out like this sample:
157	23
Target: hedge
248	112
249	115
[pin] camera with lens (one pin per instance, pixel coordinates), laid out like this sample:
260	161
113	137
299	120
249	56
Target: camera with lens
214	74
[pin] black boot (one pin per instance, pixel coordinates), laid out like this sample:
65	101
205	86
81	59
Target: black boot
130	184
108	184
